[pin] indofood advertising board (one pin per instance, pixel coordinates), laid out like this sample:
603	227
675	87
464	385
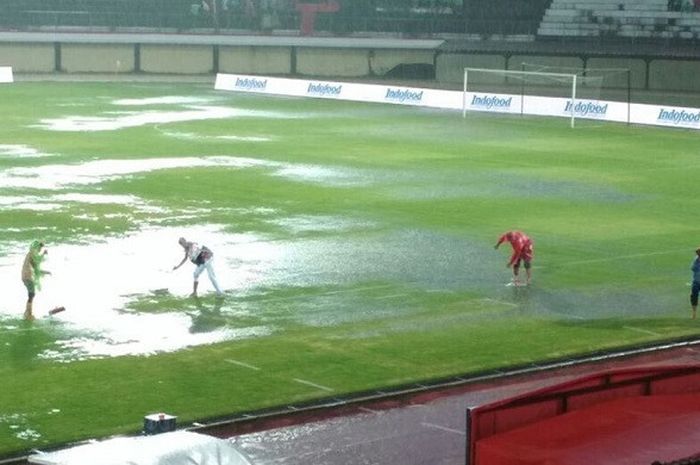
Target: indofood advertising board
680	117
473	101
338	90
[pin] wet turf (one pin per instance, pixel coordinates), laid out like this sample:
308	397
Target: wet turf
355	244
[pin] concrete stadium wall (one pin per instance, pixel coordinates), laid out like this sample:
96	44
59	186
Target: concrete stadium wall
659	75
637	67
92	58
515	62
450	67
357	62
199	59
28	57
344	62
384	60
177	59
674	75
199	56
255	60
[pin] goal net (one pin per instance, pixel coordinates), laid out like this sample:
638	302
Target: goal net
537	91
612	84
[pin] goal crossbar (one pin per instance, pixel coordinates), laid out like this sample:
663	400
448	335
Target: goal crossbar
506	72
521	73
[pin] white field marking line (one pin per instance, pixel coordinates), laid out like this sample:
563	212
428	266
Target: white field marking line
357	289
17	330
618	257
391	296
245	365
640	330
342	291
443	428
496	301
439	291
309	383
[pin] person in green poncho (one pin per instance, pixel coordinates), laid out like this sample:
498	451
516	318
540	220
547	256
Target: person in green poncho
32	273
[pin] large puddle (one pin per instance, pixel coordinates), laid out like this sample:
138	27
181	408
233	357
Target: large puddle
123	116
14	151
62	176
97	281
122	296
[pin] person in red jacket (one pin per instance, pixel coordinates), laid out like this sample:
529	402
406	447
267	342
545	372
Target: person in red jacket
522	252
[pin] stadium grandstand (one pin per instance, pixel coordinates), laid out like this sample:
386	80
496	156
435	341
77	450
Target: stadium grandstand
637	51
609	19
647	36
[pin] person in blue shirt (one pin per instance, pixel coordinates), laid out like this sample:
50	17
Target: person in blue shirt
695	289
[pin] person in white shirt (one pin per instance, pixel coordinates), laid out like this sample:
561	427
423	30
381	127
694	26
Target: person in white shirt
202	257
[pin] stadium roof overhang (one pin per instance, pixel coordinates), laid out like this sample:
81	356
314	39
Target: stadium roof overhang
226	40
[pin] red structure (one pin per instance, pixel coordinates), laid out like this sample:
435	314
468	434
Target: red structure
308	13
627	416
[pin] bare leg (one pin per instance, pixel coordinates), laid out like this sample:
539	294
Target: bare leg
28	315
194	288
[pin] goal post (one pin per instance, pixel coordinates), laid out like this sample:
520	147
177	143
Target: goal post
513	83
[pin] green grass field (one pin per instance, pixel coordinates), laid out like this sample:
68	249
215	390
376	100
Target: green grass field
354	241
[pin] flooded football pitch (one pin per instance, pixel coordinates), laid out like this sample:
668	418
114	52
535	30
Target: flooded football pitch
123	298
